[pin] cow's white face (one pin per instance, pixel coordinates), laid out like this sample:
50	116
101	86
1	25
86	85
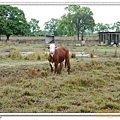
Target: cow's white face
52	49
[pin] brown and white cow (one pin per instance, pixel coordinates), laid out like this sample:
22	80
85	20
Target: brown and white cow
57	56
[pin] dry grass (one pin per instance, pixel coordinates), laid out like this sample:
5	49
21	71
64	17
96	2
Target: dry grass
92	87
41	38
92	54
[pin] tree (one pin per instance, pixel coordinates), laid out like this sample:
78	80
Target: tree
72	9
34	27
100	27
77	21
65	24
83	21
116	26
12	21
51	26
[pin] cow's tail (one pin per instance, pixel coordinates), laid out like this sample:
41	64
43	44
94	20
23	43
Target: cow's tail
67	63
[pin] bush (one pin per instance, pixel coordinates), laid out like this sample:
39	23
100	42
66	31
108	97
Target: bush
73	55
92	54
15	55
38	57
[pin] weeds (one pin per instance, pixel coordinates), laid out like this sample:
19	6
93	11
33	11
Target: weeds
92	86
116	53
15	55
73	55
81	91
92	54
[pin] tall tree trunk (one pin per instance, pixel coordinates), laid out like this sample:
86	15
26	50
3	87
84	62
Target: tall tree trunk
82	36
78	31
7	37
78	36
0	37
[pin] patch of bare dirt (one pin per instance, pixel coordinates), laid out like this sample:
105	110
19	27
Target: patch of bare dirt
23	63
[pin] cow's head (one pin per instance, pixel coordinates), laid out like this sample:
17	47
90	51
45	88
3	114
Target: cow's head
52	49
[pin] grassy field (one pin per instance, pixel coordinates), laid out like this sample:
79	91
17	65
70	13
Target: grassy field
28	86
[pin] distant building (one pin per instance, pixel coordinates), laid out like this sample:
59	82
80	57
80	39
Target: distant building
49	39
109	38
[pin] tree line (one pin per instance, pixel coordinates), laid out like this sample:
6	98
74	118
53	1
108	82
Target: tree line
77	21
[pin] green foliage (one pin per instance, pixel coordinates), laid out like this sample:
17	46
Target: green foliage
65	24
72	8
116	26
34	27
65	27
83	21
12	21
100	27
76	21
51	26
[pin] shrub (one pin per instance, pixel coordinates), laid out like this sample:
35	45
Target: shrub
73	55
92	54
15	54
38	57
46	55
44	74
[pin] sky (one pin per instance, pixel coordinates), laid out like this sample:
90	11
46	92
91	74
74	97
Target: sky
43	13
104	12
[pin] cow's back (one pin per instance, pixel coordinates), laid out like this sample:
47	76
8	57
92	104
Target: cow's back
60	54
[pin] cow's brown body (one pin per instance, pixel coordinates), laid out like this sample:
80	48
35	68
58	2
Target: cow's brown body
60	54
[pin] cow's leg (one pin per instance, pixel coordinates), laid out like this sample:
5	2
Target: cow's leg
51	66
68	65
56	68
65	63
61	65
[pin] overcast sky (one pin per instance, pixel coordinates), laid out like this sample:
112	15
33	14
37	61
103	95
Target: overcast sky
102	13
